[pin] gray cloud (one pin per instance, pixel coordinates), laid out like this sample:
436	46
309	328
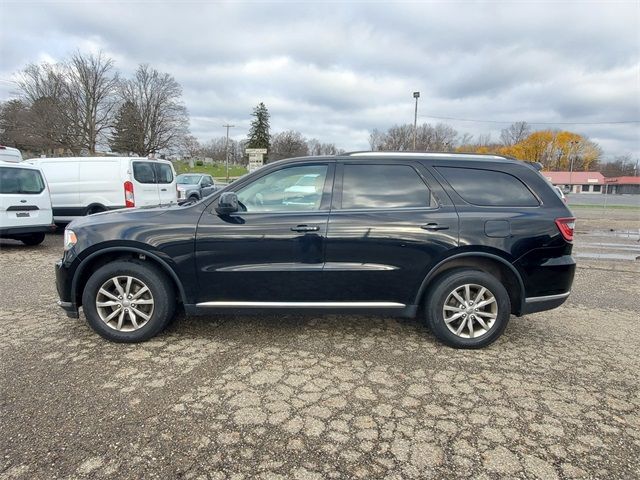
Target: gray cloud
335	71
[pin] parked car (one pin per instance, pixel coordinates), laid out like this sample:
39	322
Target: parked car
392	233
193	187
10	154
87	185
25	205
560	193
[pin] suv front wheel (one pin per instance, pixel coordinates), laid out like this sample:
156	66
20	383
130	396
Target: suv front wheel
468	309
128	301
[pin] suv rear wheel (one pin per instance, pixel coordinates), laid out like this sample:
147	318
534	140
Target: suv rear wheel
468	309
128	301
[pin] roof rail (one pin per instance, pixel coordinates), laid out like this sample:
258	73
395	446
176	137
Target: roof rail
420	154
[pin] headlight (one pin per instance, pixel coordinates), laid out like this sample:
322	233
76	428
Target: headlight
70	239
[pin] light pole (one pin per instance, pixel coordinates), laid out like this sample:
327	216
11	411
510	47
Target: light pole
416	95
226	149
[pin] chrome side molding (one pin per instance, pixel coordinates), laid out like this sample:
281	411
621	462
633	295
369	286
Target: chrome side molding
303	304
547	297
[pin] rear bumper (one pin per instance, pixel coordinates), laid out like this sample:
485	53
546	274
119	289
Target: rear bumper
12	232
547	302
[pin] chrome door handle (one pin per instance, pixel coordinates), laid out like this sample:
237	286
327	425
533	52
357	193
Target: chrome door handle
305	228
432	227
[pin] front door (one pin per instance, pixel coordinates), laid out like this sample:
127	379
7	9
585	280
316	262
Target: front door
273	249
388	225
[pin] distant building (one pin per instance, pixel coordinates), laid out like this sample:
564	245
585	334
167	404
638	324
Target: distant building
577	182
621	185
593	182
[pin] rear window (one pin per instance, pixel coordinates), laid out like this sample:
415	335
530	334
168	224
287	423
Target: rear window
20	180
143	172
488	188
164	173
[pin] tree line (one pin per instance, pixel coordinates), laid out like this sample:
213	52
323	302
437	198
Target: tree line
286	144
82	104
554	149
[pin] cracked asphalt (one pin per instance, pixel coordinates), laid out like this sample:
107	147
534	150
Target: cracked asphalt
558	396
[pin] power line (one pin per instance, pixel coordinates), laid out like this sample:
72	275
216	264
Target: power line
531	123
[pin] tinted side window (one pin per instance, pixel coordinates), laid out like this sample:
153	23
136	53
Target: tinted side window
143	172
164	174
20	180
488	187
383	186
286	190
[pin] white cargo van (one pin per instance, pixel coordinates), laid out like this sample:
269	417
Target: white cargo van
25	206
85	185
10	154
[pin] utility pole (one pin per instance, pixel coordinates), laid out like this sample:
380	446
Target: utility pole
573	157
416	95
226	149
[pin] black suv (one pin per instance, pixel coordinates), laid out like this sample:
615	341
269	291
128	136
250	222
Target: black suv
461	240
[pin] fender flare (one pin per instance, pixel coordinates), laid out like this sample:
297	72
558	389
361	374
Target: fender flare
490	256
164	265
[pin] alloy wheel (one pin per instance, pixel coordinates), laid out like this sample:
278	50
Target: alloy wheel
470	311
124	303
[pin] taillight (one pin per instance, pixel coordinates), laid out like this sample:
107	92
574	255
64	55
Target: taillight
566	226
129	199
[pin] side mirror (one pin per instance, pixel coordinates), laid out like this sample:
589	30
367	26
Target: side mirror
227	203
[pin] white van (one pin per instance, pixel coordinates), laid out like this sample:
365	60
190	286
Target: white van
10	154
85	185
25	205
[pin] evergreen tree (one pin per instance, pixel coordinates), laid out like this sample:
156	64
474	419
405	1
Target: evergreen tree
259	132
126	130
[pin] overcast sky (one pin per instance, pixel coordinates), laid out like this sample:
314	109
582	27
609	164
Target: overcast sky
336	70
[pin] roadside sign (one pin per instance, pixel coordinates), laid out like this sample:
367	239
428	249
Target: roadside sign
255	158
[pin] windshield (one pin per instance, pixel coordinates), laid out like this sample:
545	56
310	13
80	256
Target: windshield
188	179
20	180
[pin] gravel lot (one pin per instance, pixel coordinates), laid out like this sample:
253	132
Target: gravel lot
558	396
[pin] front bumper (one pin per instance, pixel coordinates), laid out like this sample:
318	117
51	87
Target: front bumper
63	286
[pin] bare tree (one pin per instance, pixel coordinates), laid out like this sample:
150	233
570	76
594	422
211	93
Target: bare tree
315	147
191	146
399	138
515	133
288	144
47	121
90	89
163	117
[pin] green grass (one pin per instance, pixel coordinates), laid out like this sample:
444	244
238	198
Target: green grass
216	170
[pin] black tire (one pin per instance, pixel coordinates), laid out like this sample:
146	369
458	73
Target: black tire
95	209
159	285
193	199
441	290
33	239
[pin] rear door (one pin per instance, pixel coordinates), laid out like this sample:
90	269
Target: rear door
24	198
145	186
165	177
389	223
